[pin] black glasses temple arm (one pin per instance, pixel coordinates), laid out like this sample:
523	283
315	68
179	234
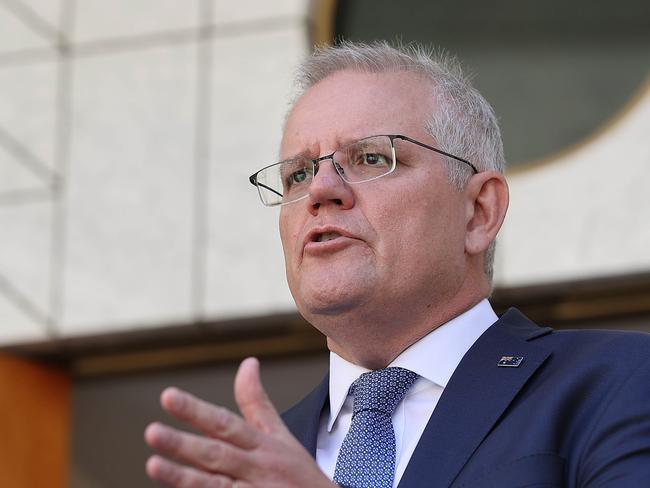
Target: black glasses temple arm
253	180
440	151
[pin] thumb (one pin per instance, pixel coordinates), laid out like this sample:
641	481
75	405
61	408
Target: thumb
254	404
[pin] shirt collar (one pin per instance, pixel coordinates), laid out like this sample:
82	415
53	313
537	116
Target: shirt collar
446	345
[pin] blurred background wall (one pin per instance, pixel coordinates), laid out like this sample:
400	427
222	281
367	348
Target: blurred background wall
135	254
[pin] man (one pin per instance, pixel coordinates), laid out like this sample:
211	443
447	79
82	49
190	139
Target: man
392	194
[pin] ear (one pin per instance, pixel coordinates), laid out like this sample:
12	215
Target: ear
487	203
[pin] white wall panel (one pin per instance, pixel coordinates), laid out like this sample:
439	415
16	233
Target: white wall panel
28	111
15	176
49	11
16	35
25	258
16	325
246	10
129	191
99	19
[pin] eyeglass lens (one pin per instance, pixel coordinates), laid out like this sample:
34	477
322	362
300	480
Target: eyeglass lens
360	161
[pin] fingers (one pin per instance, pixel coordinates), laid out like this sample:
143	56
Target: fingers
253	402
210	419
236	452
172	474
209	455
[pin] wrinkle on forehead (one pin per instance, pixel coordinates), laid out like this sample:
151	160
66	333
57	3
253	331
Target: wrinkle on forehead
349	105
315	149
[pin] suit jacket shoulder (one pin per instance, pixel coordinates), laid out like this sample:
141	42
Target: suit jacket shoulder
576	412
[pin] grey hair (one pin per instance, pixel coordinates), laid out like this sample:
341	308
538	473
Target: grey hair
463	124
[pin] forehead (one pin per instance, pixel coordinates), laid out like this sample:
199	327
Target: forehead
350	105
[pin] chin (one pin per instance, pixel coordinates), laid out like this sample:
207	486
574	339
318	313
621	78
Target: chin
332	289
328	301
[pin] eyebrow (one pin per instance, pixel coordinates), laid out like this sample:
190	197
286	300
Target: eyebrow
306	153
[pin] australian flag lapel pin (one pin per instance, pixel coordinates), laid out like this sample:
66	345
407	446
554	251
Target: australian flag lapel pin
510	361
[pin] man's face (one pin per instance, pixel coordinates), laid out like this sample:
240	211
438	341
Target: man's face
394	245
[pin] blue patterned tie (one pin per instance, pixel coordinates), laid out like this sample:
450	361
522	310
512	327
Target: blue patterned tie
367	456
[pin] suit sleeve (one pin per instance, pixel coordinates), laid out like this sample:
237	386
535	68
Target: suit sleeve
618	454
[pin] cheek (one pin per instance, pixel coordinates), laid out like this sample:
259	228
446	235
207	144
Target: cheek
418	230
415	211
288	236
288	239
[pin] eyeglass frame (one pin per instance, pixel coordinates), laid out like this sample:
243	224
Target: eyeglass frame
316	162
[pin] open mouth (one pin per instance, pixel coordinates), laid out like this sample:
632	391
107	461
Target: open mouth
326	236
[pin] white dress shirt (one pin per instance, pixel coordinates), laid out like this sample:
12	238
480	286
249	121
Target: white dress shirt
434	358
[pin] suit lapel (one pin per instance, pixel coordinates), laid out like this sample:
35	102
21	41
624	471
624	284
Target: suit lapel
303	419
474	399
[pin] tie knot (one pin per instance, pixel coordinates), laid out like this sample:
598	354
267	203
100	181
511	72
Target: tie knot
382	389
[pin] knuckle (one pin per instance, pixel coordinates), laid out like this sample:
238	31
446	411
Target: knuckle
195	479
194	482
224	423
219	458
220	482
173	442
212	456
230	459
220	418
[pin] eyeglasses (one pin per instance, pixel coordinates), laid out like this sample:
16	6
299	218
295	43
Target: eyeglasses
358	162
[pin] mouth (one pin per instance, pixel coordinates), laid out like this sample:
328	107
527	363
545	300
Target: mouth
326	240
325	236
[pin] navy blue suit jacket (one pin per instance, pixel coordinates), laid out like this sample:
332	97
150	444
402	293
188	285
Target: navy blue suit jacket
575	413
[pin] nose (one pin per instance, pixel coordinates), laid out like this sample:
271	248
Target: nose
328	188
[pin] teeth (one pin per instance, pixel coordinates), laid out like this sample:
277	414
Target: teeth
327	236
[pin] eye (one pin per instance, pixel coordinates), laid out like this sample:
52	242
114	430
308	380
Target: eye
297	177
374	159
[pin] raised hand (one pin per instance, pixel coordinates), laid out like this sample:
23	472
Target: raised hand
254	451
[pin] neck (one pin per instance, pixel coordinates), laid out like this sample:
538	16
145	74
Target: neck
375	340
